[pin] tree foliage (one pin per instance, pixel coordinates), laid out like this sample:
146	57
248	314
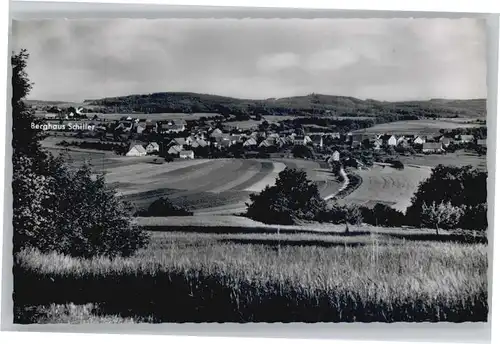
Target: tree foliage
57	207
25	139
349	213
293	198
383	215
301	151
164	207
462	187
441	215
72	212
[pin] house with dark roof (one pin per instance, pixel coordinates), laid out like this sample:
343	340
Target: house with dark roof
178	141
174	150
317	140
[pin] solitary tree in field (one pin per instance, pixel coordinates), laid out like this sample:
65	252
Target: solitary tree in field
442	215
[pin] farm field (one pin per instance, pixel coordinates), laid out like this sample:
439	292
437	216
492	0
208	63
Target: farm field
216	186
416	127
242	277
384	184
458	158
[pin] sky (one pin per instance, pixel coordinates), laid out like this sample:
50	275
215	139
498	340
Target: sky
384	59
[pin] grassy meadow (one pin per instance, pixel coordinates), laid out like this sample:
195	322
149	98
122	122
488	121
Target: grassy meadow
260	277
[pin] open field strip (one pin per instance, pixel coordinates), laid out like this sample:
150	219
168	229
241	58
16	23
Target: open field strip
228	209
388	185
458	158
189	179
417	127
251	169
238	224
143	172
269	179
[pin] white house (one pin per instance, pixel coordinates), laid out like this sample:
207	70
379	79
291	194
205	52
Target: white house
136	150
189	154
301	140
481	142
152	147
466	138
216	133
269	142
432	147
389	140
250	142
140	128
419	140
336	156
172	128
50	116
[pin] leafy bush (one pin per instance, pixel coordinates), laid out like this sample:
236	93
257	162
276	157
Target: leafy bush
474	217
293	197
164	207
395	164
70	211
349	213
301	151
383	215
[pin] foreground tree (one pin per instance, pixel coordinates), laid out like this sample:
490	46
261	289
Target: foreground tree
463	187
442	215
57	207
25	137
293	198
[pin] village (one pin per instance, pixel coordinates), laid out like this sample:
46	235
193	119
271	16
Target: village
217	136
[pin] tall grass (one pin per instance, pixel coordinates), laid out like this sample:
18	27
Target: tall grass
241	278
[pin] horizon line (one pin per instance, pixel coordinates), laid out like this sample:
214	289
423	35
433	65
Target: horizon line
254	99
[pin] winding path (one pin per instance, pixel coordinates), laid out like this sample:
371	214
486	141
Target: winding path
343	187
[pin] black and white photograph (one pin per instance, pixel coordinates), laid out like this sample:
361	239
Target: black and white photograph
249	170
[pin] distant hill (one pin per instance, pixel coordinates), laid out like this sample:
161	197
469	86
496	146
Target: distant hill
320	104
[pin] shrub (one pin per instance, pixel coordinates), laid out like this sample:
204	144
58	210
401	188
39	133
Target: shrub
70	211
383	215
293	197
474	217
395	163
349	213
301	151
164	207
